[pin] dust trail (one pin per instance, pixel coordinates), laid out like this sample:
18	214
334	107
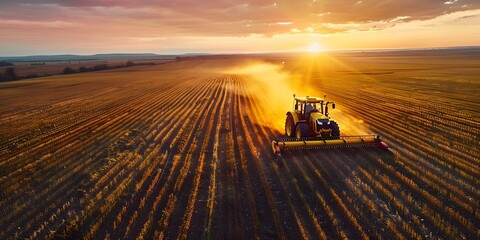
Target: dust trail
349	125
273	88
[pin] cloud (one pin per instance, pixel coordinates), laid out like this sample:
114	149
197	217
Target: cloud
29	24
156	21
227	18
450	2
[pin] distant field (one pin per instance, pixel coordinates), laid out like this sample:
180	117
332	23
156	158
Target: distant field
182	150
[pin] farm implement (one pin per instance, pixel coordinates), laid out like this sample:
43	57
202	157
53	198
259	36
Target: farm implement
309	126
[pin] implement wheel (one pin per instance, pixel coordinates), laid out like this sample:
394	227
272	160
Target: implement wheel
289	126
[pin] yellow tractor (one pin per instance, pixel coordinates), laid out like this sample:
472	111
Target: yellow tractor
310	119
309	125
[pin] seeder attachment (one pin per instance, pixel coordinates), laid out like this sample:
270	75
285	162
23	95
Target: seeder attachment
279	145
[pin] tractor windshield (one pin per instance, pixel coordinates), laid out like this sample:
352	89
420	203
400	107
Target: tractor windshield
313	107
316	107
307	107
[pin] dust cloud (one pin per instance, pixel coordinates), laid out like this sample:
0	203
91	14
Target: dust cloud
349	125
272	87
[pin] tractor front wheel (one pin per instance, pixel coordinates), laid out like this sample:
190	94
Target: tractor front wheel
335	129
289	126
302	130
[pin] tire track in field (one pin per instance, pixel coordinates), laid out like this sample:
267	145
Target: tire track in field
238	191
205	154
307	224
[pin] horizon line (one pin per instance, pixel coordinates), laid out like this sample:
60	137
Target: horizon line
247	53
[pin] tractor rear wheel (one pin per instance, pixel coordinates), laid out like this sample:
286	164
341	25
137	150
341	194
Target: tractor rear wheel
335	129
302	130
289	126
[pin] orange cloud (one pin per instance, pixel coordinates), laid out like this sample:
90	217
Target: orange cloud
183	25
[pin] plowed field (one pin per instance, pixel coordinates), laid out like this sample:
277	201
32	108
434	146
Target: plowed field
182	150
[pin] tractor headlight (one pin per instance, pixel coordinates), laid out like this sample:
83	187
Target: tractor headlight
323	122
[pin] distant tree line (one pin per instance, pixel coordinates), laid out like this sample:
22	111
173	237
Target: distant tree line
100	67
10	74
5	64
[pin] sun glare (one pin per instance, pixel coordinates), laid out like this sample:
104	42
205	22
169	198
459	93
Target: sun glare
315	47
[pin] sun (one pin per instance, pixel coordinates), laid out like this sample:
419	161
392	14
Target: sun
315	47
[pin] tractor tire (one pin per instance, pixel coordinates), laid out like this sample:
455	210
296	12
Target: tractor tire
335	129
302	131
289	126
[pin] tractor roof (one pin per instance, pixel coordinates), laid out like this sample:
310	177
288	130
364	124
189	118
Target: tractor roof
309	99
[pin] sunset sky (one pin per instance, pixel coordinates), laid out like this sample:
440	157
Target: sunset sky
30	27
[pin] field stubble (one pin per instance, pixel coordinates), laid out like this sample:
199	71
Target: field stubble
182	150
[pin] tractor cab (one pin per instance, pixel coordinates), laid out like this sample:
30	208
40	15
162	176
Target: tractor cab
309	118
305	106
